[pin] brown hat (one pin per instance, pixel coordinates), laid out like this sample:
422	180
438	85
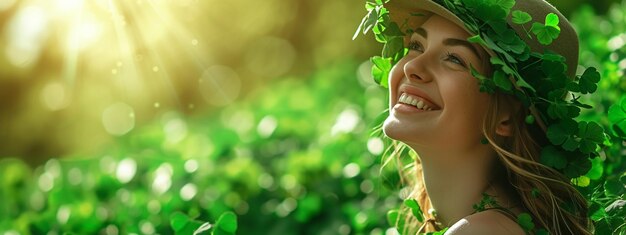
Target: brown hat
566	44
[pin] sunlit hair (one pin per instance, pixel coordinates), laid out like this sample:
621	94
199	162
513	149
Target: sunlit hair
556	205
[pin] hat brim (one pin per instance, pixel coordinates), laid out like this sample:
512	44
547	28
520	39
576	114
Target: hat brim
415	13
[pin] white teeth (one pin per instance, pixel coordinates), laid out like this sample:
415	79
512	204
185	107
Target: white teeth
420	105
417	102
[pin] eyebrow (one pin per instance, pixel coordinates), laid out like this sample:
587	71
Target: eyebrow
452	42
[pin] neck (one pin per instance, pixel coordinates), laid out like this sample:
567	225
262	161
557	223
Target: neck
455	181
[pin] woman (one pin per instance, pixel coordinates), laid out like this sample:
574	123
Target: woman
489	161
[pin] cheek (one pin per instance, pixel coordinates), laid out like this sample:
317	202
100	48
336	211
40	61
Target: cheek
395	75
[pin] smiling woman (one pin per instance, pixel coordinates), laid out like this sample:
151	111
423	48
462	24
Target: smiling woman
474	93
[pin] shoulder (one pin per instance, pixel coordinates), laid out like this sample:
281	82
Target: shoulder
486	222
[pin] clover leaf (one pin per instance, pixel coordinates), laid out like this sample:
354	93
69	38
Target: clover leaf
617	116
394	45
591	135
561	110
500	79
226	223
552	157
548	32
520	17
588	81
563	133
178	221
578	166
380	70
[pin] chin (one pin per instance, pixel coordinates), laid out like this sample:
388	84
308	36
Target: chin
395	130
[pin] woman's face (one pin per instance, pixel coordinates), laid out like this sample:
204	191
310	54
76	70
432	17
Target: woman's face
435	102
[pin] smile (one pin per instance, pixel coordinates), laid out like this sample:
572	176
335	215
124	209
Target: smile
416	102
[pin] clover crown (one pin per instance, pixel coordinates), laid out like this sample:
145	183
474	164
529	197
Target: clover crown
538	79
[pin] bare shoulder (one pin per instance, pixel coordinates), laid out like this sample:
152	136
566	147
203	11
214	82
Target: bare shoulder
485	222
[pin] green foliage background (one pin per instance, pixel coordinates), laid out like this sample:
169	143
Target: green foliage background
293	158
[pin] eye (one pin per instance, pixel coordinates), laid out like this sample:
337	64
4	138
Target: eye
415	46
455	59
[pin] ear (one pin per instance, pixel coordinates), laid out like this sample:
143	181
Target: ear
505	125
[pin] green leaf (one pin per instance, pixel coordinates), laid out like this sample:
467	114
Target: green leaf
597	169
477	39
415	209
617	117
596	211
582	181
178	221
393	46
545	34
227	222
552	157
380	70
591	134
520	17
562	132
497	61
485	84
502	81
578	165
613	187
552	20
542	232
588	80
526	221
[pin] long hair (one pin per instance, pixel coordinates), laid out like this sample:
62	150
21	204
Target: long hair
554	204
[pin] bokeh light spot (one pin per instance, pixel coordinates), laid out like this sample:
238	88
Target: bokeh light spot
118	119
266	126
154	206
54	96
147	227
126	170
63	214
219	85
163	178
375	146
346	122
188	191
84	33
75	176
351	170
191	166
266	181
175	130
46	182
26	32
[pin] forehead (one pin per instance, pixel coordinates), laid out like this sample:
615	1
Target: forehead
437	25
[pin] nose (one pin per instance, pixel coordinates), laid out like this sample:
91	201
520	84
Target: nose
416	69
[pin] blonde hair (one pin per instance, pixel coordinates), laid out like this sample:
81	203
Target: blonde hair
546	194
